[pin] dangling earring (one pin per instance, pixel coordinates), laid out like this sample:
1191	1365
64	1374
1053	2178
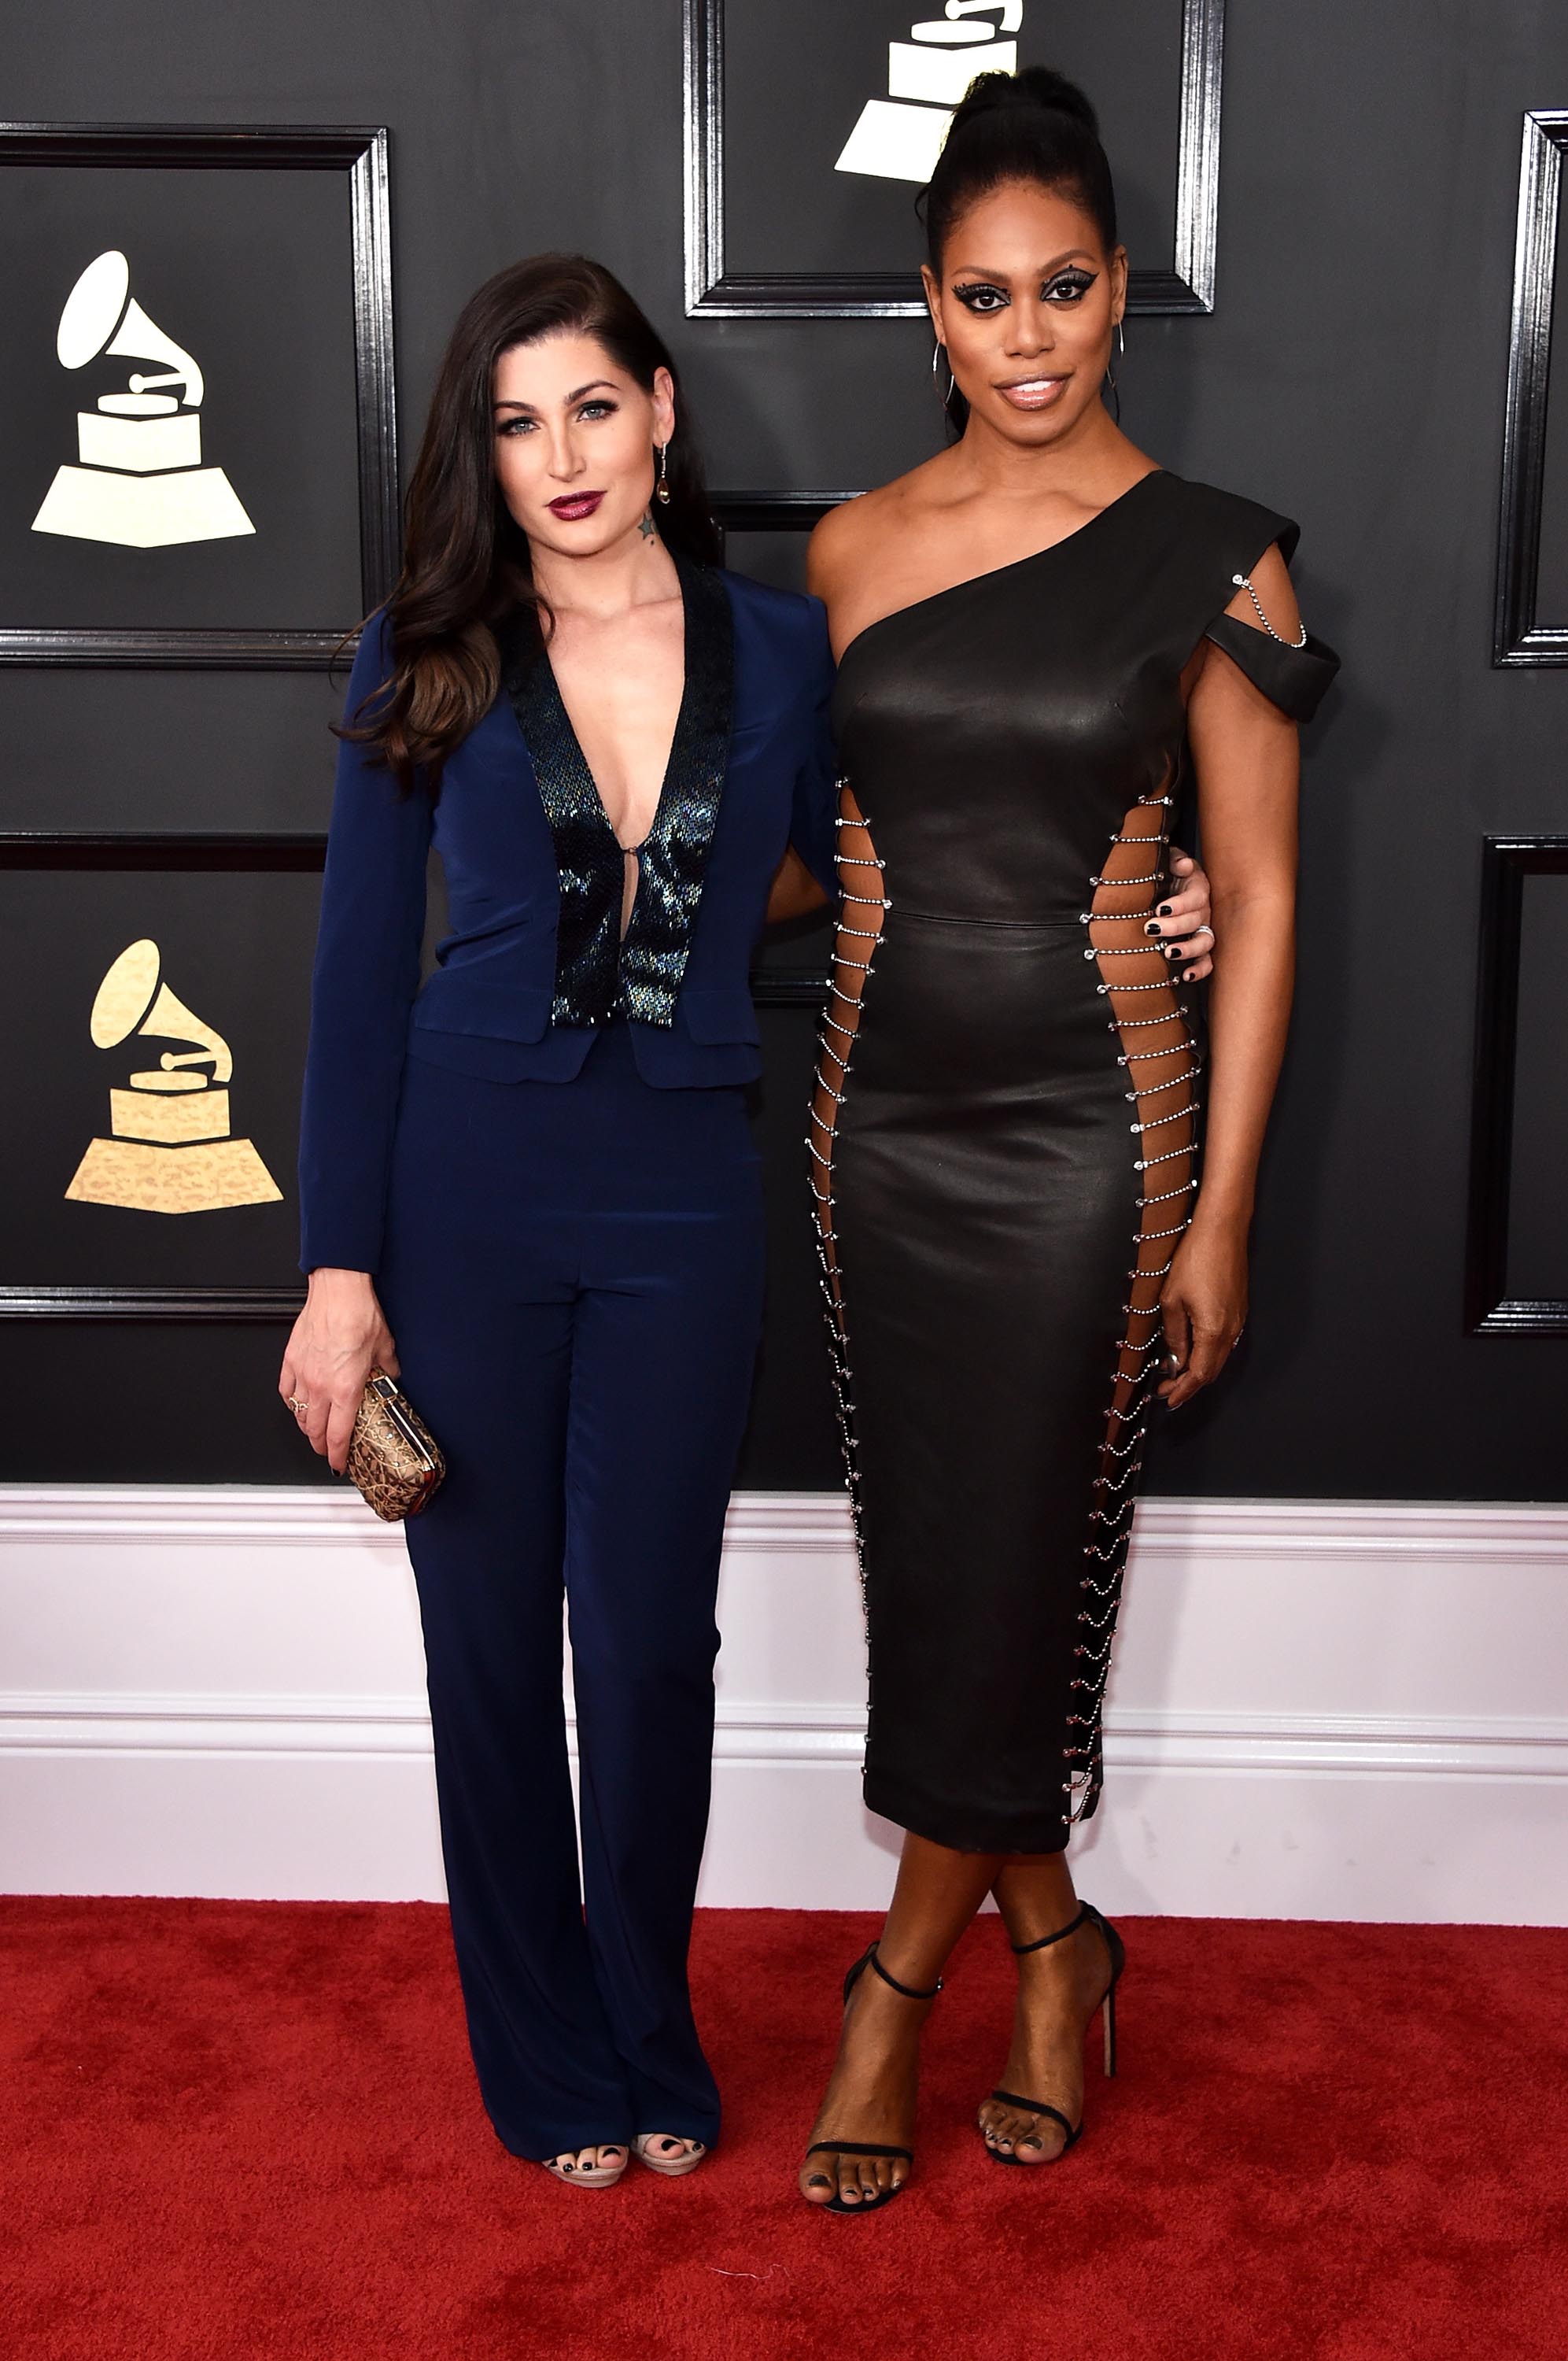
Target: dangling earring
937	349
1121	355
662	488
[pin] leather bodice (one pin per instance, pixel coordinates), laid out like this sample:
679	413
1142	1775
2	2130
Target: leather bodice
995	733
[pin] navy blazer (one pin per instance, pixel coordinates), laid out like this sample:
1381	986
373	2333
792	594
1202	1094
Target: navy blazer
534	960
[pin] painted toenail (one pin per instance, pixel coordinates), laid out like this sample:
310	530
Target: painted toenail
819	2181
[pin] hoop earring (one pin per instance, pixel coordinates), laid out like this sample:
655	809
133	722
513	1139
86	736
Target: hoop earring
662	488
937	349
1121	355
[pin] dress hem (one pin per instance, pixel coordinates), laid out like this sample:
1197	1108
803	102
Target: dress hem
960	1831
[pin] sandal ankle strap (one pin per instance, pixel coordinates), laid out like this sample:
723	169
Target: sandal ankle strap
910	1992
1044	1942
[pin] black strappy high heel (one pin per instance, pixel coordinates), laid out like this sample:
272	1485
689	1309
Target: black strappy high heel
836	2204
1087	1915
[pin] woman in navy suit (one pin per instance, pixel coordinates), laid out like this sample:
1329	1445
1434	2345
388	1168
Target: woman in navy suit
536	1171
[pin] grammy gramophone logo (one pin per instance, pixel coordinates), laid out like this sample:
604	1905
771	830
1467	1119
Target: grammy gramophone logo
899	138
168	1151
140	481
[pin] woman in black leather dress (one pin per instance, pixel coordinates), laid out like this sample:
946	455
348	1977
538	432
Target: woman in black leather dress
1040	634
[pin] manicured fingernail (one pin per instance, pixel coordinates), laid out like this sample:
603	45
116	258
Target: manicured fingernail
1153	926
1190	975
1164	909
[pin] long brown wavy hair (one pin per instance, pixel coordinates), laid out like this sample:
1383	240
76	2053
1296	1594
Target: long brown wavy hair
466	560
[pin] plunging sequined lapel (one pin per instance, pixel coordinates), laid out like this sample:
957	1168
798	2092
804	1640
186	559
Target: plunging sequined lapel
588	858
596	970
674	854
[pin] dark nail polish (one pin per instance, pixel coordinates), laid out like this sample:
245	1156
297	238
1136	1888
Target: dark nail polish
1164	909
1190	975
1153	926
819	2181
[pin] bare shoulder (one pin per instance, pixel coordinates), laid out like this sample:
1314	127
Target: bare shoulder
857	530
863	554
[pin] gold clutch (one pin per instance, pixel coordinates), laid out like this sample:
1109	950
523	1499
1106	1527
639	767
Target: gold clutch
392	1456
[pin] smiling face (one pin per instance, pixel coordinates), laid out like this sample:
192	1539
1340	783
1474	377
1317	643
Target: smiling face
1026	304
574	442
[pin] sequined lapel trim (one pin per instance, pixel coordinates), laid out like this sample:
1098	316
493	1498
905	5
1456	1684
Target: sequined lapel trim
596	973
587	857
674	854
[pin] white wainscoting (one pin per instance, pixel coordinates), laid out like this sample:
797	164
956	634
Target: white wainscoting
1321	1709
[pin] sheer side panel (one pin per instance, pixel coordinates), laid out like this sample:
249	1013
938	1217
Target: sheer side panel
1156	1052
863	908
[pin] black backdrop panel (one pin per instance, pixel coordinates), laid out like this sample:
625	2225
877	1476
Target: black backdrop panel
796	80
1536	1252
251	273
1353	373
1552	572
233	949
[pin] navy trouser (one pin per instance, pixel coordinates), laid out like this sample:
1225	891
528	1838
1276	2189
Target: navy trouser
572	1277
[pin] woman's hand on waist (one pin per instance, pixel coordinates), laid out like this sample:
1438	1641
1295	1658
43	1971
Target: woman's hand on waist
339	1338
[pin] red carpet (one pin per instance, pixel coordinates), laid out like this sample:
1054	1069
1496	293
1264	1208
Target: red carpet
248	2130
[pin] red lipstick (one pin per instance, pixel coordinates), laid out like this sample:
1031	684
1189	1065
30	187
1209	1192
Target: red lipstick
571	506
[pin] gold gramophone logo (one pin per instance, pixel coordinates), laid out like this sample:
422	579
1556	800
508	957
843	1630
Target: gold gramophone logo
140	481
899	138
168	1149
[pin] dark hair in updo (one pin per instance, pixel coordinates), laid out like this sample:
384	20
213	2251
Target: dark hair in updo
1031	125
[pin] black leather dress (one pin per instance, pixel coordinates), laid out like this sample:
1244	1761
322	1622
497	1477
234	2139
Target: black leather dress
1005	1132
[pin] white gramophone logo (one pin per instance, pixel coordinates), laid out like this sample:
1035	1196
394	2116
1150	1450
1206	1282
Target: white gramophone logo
899	138
168	1149
140	482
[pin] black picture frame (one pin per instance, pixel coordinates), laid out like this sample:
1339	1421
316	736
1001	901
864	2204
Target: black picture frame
1507	860
713	290
1519	637
359	150
235	853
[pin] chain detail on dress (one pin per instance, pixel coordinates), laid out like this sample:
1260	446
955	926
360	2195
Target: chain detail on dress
1243	582
1122	899
825	1095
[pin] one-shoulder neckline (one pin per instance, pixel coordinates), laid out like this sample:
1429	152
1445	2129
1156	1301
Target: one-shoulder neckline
994	573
